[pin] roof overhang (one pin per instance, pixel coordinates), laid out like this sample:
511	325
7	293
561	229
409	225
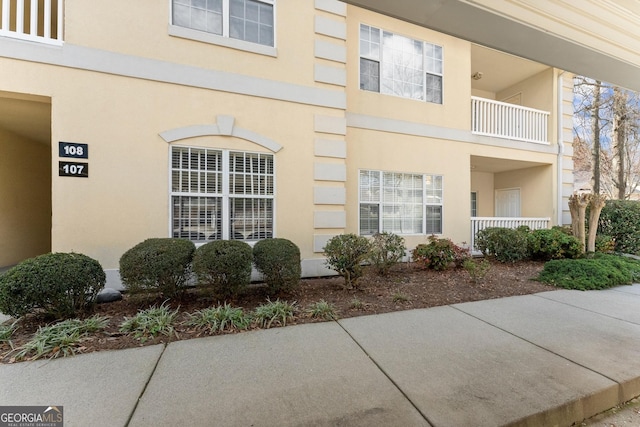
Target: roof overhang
599	39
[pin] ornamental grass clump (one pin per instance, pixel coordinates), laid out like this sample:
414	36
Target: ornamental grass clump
279	262
157	265
322	310
60	339
56	285
219	319
274	313
345	254
6	332
149	323
224	266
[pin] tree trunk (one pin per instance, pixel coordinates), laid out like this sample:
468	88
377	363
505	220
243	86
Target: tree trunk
596	203
578	207
596	137
620	141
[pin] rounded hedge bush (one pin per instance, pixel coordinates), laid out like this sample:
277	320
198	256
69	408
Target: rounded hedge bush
157	265
57	284
554	243
279	262
225	265
505	244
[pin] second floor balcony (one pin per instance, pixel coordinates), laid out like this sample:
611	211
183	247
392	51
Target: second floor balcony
33	20
512	96
504	120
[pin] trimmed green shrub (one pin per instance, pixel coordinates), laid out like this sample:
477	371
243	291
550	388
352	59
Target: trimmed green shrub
157	265
605	244
224	265
387	249
548	244
57	284
345	254
505	244
477	269
598	272
439	254
279	262
620	219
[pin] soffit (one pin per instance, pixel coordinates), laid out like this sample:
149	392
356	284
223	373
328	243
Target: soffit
596	38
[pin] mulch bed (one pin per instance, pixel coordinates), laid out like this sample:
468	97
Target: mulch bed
407	286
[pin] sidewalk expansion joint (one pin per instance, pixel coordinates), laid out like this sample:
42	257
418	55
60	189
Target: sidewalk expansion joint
586	309
381	369
538	345
146	384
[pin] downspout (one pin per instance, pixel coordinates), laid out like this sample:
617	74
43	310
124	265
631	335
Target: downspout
560	90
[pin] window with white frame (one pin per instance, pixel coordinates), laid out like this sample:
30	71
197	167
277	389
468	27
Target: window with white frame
474	203
397	65
400	203
221	194
248	20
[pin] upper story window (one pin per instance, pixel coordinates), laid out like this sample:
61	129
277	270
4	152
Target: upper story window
397	65
247	20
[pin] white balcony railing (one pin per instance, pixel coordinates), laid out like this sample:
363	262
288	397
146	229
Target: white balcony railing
503	120
34	20
480	223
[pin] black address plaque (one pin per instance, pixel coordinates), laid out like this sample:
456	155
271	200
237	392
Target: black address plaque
75	169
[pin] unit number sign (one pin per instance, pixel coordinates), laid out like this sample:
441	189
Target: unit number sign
80	170
76	151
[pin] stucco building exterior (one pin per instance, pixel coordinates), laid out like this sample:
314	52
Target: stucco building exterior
250	119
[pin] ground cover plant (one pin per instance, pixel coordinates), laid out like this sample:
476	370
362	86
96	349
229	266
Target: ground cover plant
598	271
61	339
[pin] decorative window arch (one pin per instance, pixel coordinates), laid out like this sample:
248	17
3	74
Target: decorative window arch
221	193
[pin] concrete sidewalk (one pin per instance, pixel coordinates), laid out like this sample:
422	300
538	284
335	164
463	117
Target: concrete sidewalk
549	359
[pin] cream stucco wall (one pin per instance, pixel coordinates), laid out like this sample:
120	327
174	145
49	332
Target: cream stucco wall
116	26
536	189
388	152
25	198
118	97
482	184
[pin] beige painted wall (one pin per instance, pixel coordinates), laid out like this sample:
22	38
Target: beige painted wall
126	197
482	183
410	154
25	199
115	26
537	194
537	92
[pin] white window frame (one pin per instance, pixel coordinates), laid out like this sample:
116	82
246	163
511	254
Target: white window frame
226	195
381	203
474	203
379	58
224	39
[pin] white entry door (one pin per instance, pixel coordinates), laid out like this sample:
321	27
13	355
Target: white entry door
508	202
